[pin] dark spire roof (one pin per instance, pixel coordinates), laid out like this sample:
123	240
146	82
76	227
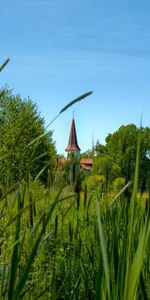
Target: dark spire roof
73	143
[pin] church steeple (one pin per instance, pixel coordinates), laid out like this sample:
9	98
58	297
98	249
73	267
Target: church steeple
73	143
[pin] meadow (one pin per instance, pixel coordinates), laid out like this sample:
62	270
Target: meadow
62	241
58	244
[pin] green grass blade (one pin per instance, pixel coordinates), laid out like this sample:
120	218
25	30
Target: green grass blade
103	249
42	170
61	111
99	277
2	66
40	156
26	271
131	226
75	101
120	193
9	191
21	211
136	266
15	254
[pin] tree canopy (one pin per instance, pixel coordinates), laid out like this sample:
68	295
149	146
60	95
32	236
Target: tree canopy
121	149
21	123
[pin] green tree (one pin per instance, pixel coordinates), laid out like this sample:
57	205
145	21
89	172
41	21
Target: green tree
144	164
20	123
122	147
100	149
105	165
118	156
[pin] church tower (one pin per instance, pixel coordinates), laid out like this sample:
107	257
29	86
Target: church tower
73	143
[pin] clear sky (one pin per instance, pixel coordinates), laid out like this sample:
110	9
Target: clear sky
63	48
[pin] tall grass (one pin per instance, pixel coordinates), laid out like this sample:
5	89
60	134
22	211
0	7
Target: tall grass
72	251
2	66
126	227
57	244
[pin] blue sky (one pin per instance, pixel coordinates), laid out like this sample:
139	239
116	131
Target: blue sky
61	49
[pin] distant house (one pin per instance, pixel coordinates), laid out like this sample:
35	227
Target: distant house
61	160
86	164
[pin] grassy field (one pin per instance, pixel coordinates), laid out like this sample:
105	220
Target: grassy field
56	244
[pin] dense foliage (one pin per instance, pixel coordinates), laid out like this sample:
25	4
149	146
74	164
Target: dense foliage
56	247
117	157
20	124
58	242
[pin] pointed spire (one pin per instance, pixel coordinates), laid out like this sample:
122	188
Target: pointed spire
73	143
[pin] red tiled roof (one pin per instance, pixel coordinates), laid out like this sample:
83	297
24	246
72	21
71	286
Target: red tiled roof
73	143
88	168
61	160
86	161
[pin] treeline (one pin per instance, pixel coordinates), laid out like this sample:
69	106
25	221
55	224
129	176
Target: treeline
117	158
59	243
23	153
